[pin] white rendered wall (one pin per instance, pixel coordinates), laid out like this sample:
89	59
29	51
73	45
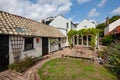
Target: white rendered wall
106	30
61	22
53	47
37	51
63	42
56	46
111	26
85	23
63	31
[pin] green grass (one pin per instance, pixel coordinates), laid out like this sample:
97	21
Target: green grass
73	69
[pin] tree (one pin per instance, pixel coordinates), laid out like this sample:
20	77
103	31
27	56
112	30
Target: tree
107	40
114	18
101	27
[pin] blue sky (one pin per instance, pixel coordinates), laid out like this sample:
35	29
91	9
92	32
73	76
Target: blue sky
79	11
74	10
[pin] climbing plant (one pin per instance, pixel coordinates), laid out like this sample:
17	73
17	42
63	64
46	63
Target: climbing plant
82	32
70	34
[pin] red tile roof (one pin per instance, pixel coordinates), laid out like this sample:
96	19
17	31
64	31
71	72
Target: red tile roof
115	31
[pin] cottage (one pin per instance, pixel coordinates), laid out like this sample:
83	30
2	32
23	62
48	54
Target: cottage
20	36
65	25
60	23
85	39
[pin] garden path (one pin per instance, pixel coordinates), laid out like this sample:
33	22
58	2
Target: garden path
32	73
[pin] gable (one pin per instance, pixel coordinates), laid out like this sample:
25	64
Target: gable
60	22
85	24
111	27
114	31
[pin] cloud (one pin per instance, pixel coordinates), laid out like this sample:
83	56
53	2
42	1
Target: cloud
93	13
116	11
72	18
36	10
83	1
102	3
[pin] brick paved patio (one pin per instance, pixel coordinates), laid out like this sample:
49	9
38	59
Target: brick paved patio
31	74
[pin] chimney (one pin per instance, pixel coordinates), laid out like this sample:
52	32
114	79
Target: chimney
107	22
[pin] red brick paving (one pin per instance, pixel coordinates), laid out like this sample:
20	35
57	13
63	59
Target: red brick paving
32	73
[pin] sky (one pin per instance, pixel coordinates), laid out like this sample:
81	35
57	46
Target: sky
74	10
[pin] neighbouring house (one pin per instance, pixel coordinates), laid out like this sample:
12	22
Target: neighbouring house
21	37
84	40
60	23
65	25
112	29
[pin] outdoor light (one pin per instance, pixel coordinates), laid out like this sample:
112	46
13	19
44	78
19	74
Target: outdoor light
37	40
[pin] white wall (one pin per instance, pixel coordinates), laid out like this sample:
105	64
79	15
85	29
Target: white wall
111	26
61	22
106	30
63	42
37	51
53	47
63	31
85	23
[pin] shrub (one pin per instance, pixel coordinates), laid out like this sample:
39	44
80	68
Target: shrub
15	66
107	40
22	65
112	57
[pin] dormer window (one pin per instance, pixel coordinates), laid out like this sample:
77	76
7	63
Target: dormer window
19	29
67	25
85	27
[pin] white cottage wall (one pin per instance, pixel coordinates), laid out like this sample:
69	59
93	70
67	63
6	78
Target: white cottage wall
53	47
85	24
63	42
61	23
37	51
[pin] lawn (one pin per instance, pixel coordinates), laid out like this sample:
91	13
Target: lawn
73	69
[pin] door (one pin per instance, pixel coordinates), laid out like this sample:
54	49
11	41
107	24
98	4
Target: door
4	52
75	40
44	46
80	40
59	44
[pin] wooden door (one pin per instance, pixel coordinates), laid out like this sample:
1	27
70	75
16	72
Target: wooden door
44	46
4	52
59	44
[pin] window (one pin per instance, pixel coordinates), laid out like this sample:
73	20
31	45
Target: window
28	43
85	26
67	25
19	29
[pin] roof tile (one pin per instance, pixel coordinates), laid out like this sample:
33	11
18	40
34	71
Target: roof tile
17	25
